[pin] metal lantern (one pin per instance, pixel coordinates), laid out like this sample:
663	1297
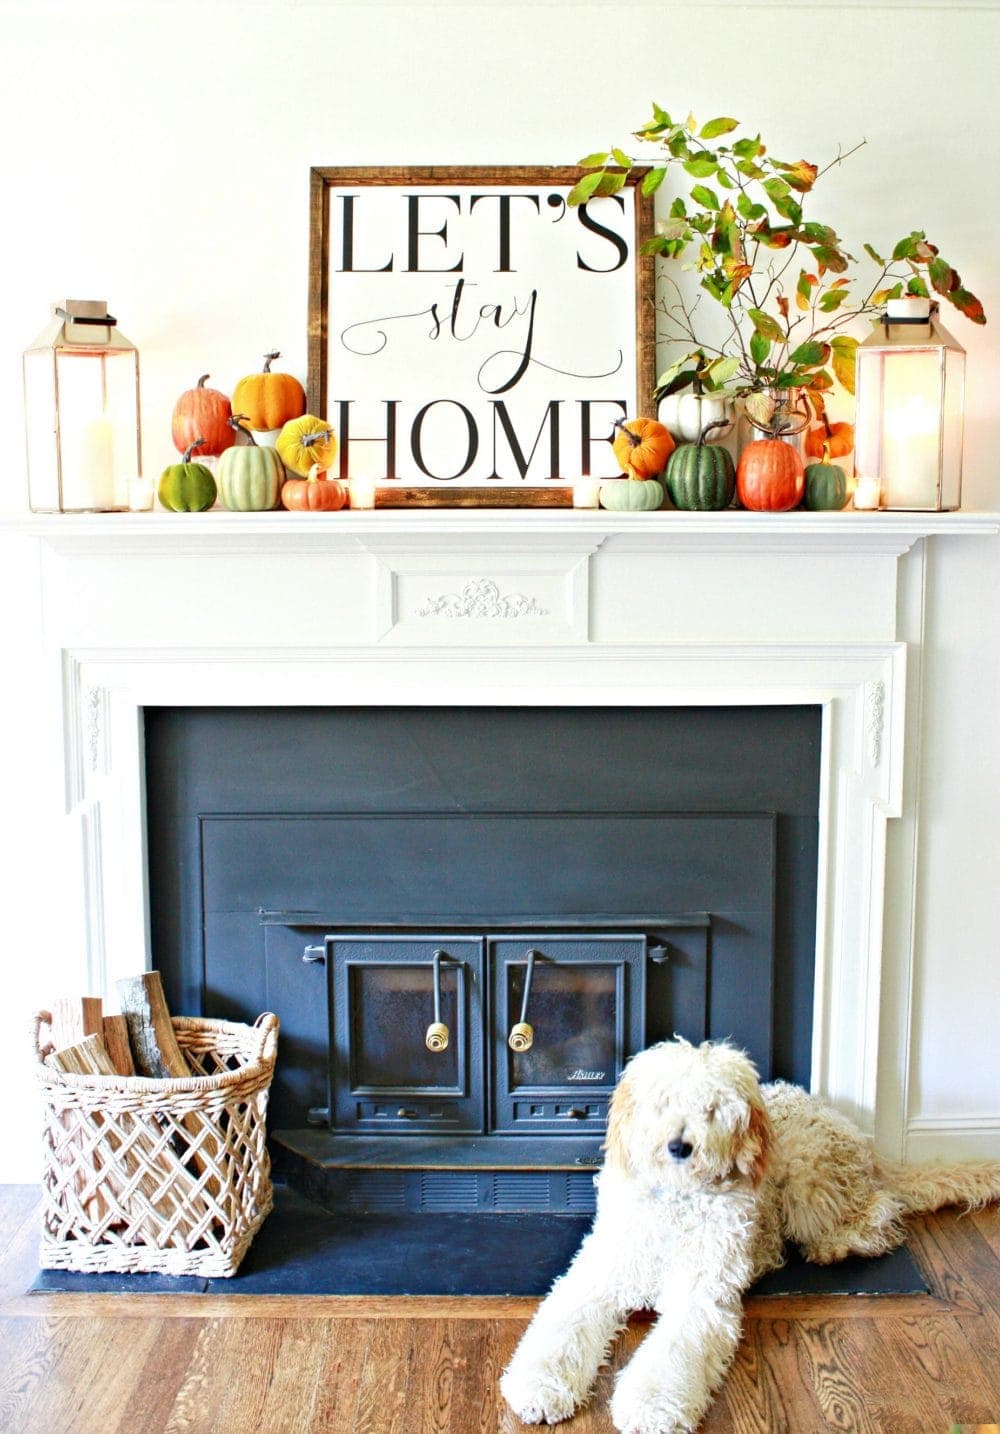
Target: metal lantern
910	385
81	401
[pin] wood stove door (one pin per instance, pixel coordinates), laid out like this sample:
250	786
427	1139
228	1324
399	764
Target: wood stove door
406	1033
558	1054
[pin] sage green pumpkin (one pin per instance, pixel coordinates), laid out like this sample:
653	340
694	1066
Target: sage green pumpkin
632	495
827	489
187	487
701	478
250	479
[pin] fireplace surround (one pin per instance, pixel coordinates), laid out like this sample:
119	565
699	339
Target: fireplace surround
512	609
466	919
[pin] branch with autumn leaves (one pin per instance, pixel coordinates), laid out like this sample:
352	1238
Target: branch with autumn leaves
782	280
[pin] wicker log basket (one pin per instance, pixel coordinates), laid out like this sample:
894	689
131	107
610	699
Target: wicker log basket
164	1176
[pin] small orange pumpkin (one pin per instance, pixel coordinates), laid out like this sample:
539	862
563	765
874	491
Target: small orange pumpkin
203	413
642	447
269	399
770	476
829	440
315	494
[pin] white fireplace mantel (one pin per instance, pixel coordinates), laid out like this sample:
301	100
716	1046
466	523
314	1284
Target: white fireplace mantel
516	607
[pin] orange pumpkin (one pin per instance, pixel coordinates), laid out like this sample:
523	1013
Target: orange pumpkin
315	494
770	476
829	440
203	413
269	399
642	447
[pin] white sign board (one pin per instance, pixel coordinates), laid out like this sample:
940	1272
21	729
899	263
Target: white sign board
471	327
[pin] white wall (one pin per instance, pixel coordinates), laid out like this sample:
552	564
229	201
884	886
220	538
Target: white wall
158	154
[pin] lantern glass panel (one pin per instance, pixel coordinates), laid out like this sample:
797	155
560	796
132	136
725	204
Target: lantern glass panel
97	427
41	430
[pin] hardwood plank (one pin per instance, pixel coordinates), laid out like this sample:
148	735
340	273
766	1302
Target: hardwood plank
336	1398
764	1385
941	1366
25	1355
474	1395
384	1378
152	1399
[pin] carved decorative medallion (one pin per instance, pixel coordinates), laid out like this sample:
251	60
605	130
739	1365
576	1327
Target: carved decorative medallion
480	597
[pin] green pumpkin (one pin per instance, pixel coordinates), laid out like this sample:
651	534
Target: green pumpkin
187	487
701	478
250	479
827	488
631	495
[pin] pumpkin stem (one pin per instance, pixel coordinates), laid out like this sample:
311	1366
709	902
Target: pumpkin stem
269	359
315	474
319	435
190	449
710	428
621	423
236	421
202	381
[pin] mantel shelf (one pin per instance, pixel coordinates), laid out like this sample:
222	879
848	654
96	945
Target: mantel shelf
163	533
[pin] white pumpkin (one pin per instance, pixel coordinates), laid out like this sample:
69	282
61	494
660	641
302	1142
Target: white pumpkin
687	414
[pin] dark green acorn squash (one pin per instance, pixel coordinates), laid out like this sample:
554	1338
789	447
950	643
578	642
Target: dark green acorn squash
701	477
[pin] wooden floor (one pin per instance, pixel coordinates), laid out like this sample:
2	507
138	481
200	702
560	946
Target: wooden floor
94	1364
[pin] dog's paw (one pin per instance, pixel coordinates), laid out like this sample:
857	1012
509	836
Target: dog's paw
538	1396
635	1411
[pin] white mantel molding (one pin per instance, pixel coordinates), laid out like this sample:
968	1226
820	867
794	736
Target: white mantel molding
512	607
556	530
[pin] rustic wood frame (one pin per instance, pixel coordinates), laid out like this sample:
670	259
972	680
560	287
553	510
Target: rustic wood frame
323	179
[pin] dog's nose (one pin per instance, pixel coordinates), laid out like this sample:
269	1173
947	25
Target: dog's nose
679	1149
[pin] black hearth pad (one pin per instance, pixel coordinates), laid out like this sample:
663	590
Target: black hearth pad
303	1249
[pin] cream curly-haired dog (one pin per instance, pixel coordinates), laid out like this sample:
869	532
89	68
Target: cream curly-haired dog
707	1173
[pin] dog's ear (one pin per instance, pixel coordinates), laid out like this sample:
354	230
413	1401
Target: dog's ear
755	1146
621	1111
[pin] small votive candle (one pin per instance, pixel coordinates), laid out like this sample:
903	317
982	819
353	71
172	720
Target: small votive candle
586	492
867	494
140	495
361	490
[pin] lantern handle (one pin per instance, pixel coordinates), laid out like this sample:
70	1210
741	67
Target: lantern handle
102	321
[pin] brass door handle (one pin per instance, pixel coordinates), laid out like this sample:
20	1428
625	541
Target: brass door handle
437	1036
522	1035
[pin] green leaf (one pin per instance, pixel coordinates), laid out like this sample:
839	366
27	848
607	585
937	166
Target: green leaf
872	255
765	324
831	259
678	209
715	127
907	248
678	145
918	288
585	187
760	347
748	210
700	166
811	354
748	148
704	196
720	371
620	157
751	170
611	182
652	180
943	276
804	288
832	300
968	304
683	378
801	174
722	178
844	348
776	188
593	161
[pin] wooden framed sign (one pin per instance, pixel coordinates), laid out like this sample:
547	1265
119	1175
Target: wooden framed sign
467	326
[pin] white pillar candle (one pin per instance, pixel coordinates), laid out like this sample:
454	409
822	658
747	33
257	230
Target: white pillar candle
88	474
361	489
867	494
140	495
586	492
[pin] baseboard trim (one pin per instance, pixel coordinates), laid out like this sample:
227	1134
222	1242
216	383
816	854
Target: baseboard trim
953	1137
